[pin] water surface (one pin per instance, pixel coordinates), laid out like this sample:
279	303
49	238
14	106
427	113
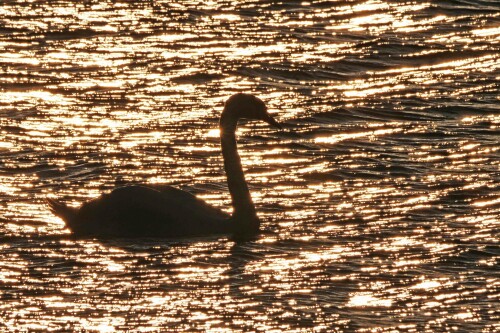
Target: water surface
379	198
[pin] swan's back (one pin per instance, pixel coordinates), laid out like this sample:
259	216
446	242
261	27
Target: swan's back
140	211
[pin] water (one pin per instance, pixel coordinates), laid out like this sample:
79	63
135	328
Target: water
379	199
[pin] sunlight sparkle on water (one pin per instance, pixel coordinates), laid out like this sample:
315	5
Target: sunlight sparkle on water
378	199
368	300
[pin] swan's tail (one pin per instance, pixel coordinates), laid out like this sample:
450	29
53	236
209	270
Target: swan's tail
61	210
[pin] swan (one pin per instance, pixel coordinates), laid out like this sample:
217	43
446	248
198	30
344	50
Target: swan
166	211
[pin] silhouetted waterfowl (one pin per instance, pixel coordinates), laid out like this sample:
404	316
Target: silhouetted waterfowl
142	211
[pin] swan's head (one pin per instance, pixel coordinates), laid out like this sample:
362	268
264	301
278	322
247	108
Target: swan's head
245	106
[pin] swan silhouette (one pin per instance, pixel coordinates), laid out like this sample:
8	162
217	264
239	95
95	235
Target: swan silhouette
145	211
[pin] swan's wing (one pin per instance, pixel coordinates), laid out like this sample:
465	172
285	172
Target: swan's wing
141	210
188	200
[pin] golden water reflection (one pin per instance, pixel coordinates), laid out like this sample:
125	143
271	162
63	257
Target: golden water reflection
379	199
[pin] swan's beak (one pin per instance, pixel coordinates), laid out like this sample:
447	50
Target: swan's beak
270	120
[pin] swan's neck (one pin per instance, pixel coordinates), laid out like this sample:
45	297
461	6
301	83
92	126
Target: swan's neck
244	209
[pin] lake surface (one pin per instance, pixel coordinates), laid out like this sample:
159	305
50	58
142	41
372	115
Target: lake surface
379	198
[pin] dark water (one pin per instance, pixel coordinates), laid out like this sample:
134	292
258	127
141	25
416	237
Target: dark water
380	198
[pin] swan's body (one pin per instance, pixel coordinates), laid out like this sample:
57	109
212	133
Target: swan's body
142	211
133	211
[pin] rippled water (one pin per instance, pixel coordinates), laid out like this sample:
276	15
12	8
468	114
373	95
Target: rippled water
379	198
